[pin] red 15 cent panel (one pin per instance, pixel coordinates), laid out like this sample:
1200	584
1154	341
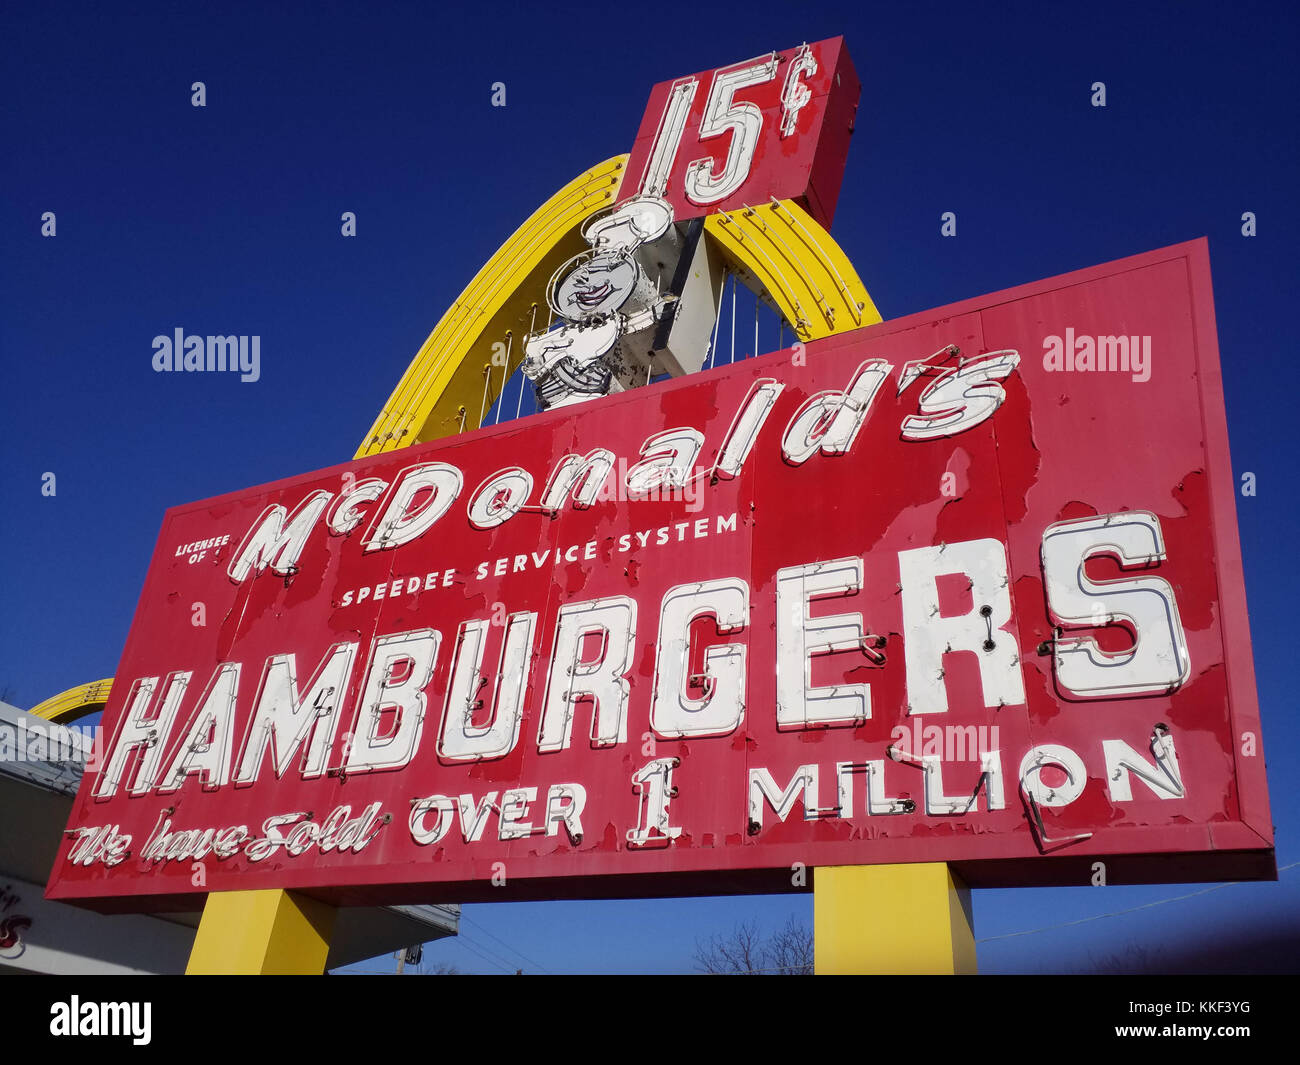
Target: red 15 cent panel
774	126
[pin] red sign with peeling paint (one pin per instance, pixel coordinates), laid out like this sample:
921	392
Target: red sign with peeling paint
961	587
776	126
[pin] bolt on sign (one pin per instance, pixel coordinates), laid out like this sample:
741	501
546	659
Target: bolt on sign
962	587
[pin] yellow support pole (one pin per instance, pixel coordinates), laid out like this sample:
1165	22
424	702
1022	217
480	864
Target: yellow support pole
270	933
900	920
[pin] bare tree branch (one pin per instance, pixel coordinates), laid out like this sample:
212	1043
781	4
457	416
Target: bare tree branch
790	951
745	952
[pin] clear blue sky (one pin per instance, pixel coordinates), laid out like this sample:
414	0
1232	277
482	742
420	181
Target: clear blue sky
226	220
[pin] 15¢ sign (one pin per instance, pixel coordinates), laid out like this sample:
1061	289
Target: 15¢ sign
773	127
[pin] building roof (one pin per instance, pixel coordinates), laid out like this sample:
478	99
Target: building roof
41	764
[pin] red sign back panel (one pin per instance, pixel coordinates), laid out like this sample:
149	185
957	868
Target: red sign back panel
937	591
775	126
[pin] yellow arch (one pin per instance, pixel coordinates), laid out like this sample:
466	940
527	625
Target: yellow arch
776	248
75	702
452	379
780	249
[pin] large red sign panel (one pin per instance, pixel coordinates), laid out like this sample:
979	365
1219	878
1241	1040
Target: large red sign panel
774	126
961	587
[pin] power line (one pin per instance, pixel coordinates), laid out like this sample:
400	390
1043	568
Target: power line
513	950
1118	913
479	950
505	963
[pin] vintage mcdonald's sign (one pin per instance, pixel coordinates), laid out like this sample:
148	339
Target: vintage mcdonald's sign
962	587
